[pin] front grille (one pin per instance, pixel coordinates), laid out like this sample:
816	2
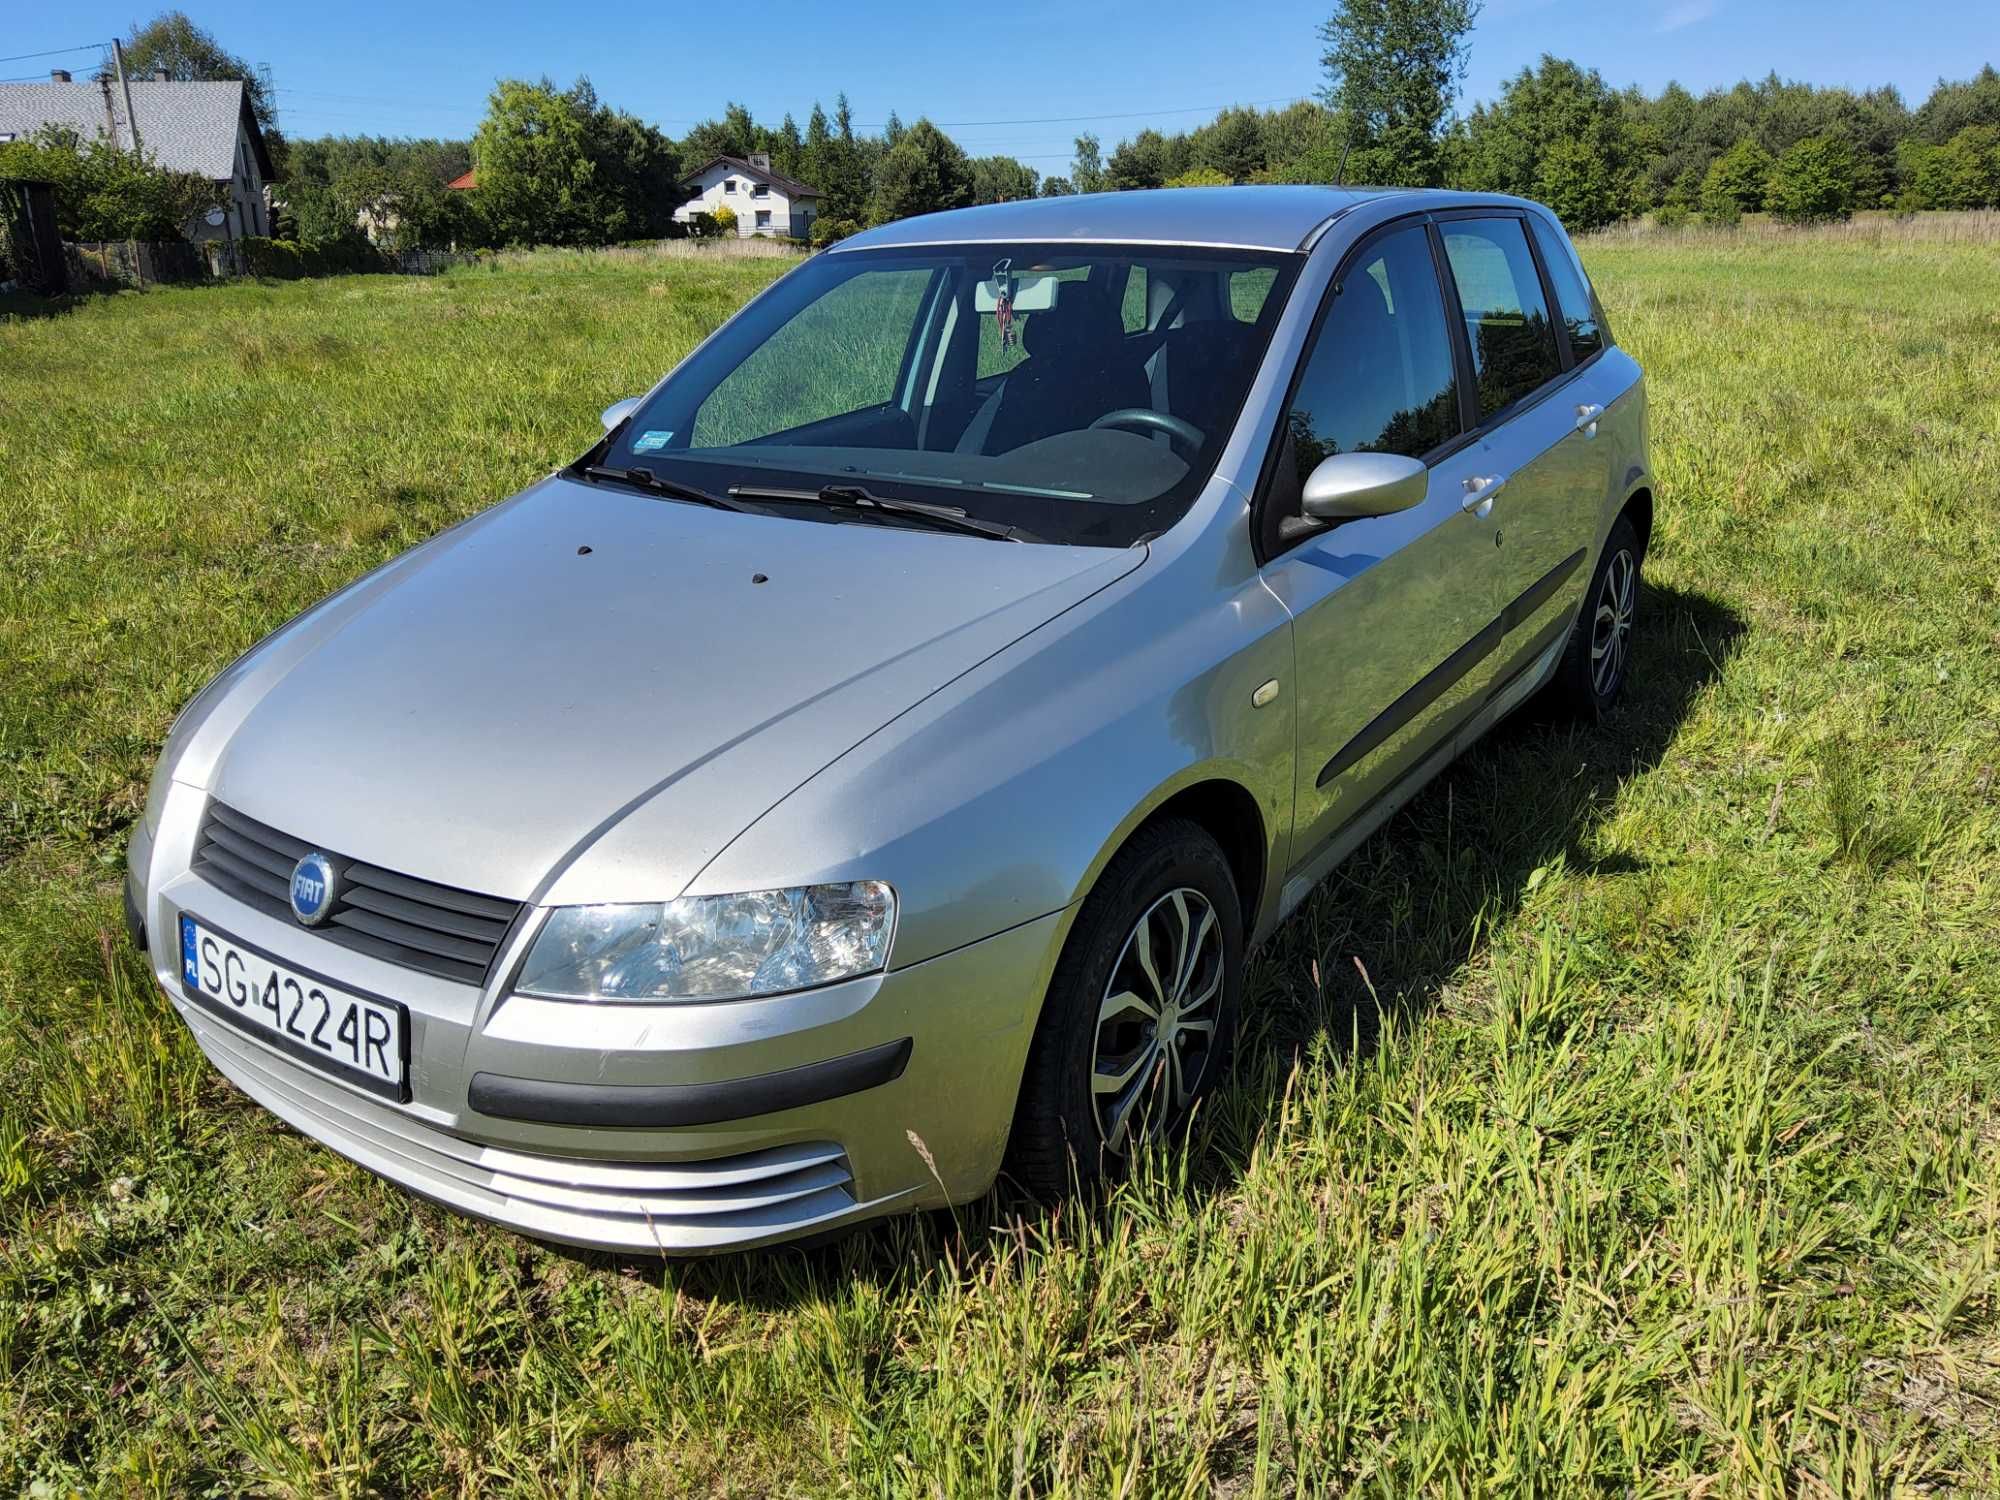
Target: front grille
436	929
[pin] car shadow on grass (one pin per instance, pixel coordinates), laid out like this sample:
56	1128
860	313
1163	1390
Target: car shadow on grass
1384	935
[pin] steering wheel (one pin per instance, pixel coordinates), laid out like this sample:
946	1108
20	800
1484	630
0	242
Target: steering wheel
1184	435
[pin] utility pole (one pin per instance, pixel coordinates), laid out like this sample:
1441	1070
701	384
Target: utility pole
131	120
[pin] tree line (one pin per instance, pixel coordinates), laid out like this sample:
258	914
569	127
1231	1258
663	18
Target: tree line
557	165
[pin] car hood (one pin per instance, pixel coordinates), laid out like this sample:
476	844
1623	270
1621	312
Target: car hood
483	711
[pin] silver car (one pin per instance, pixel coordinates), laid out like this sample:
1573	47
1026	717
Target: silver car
864	771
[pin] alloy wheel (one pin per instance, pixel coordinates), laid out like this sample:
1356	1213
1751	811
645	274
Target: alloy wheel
1156	1023
1611	627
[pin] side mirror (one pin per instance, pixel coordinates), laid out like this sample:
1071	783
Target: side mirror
1350	485
618	411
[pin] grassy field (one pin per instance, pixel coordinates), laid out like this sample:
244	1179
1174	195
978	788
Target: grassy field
1622	1118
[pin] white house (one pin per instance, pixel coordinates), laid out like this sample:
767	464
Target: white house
203	128
764	201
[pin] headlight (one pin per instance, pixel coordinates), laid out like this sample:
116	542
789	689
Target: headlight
713	947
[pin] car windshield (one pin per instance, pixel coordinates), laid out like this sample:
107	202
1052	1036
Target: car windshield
1077	393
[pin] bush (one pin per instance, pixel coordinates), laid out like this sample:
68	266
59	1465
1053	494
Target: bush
1813	182
724	219
1672	216
1962	173
702	226
832	231
1737	180
1198	177
280	258
105	193
1720	213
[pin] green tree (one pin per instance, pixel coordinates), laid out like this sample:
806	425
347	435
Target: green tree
840	171
1393	69
103	192
1737	180
923	172
1962	173
1232	144
1813	182
191	55
1057	187
1199	177
1557	133
1953	106
735	134
1002	179
1580	184
1145	161
556	167
1086	168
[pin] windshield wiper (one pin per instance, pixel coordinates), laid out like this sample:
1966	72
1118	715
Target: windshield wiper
652	483
852	497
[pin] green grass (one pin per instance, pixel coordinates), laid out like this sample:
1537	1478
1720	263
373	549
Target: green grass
1622	1118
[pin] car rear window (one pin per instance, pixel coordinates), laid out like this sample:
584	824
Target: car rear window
1506	318
1579	308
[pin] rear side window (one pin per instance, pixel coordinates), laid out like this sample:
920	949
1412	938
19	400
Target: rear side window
1579	311
1506	319
1379	378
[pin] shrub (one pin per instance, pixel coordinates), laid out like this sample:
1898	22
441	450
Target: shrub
105	193
1672	216
280	258
1813	182
1198	177
833	231
1962	173
724	219
1737	179
702	226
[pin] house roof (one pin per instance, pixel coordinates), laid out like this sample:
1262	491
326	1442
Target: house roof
791	187
465	181
184	127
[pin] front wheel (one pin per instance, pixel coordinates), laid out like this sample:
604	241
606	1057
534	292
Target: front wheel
1598	660
1141	1012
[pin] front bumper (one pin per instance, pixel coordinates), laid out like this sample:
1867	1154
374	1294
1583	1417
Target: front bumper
676	1129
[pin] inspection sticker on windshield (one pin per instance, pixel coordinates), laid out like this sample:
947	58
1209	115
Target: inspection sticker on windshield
651	442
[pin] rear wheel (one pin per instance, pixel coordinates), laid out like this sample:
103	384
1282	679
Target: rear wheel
1140	1014
1598	660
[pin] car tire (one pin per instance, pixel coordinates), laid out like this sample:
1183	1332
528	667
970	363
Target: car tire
1167	893
1597	663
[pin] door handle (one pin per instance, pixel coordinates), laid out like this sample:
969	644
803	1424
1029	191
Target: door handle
1480	490
1586	418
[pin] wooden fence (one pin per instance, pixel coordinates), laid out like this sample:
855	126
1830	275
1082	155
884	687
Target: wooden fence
116	263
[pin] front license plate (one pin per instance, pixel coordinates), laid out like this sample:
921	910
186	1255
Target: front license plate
359	1038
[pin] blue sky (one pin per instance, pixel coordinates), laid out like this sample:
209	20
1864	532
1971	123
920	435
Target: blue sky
1003	79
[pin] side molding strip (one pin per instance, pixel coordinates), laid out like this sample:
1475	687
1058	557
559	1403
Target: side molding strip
1435	683
660	1106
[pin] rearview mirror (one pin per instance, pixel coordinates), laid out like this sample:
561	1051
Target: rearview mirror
618	411
1350	485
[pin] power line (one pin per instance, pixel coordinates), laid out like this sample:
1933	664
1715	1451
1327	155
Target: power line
52	52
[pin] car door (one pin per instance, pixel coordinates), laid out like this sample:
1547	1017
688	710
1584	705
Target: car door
1383	606
1542	472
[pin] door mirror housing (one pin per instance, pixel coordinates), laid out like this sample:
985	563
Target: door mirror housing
1348	486
618	411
